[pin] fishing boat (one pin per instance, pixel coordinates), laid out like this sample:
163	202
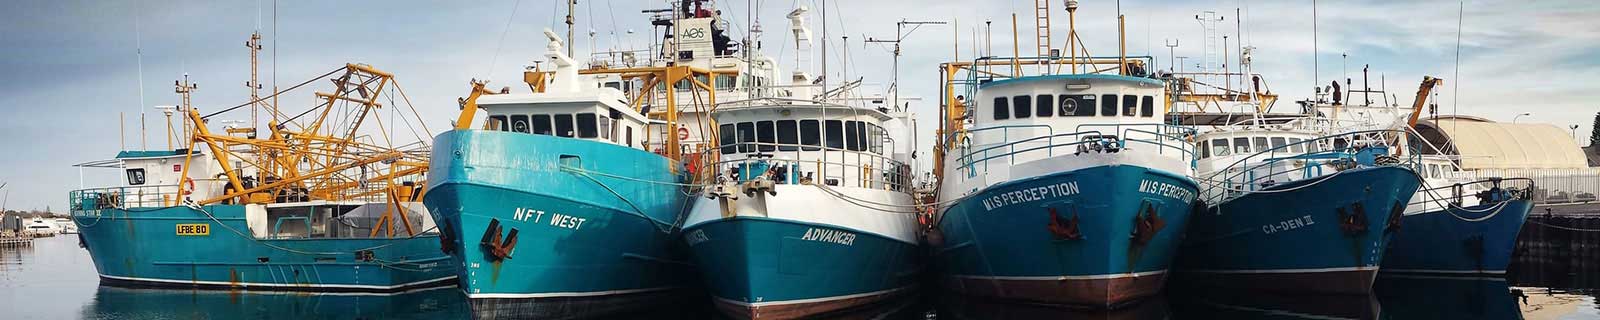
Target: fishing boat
1292	210
566	200
316	205
1060	188
1457	224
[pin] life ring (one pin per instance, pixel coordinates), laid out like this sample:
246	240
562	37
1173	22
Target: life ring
190	183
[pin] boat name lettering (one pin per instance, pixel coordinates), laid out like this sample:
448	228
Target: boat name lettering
831	236
696	237
1030	194
556	219
1287	225
523	214
566	221
194	229
1166	190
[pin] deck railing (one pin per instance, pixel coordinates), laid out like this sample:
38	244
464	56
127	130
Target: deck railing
1276	165
1087	138
806	164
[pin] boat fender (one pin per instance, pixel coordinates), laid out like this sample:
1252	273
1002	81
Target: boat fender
1064	229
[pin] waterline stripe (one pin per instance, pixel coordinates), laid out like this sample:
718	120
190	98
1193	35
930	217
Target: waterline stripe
278	285
811	300
1446	271
1057	278
560	294
1311	270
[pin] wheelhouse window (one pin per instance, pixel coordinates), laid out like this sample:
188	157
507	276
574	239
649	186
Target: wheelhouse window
605	127
630	137
541	124
766	136
726	82
564	125
851	136
1108	105
1147	107
1002	108
1046	104
861	134
1261	144
747	134
1130	105
810	134
1241	145
519	123
1077	106
136	176
835	136
497	123
727	138
1279	142
788	136
586	126
1219	147
1205	149
1022	105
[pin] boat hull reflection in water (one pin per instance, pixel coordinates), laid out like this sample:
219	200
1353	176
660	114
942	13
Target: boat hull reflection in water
116	303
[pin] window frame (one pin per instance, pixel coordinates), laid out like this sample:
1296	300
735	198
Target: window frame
500	123
1147	107
727	138
746	134
791	141
520	118
131	173
1227	148
1079	104
831	130
535	121
1130	105
1108	105
593	130
1021	107
766	135
1243	142
564	118
812	140
1044	105
1001	108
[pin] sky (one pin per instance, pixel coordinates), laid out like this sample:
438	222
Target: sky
69	67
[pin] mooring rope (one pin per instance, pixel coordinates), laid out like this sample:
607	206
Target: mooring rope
1565	227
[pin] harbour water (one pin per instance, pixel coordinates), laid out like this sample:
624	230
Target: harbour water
54	279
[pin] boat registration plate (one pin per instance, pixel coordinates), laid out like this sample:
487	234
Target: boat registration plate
194	229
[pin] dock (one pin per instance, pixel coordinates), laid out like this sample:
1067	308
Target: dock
1559	246
9	239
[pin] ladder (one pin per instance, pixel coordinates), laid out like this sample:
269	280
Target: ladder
1041	16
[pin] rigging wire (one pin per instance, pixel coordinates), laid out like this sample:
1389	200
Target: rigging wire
501	44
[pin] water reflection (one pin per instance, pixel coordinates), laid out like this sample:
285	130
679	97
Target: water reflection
953	307
1447	298
124	303
1227	304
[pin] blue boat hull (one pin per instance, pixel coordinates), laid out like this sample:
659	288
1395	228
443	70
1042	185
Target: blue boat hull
586	243
1008	241
763	268
1303	236
1445	242
140	247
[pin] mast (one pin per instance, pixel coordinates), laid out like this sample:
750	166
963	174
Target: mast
184	89
571	5
255	85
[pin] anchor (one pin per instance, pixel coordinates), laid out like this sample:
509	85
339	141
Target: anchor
494	246
1354	222
1064	230
1146	224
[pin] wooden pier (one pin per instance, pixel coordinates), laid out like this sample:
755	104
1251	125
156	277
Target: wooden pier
9	239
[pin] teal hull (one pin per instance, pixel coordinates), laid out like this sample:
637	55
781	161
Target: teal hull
586	243
760	267
140	247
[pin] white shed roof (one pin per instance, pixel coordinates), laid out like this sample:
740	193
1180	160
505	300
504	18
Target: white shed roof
1492	145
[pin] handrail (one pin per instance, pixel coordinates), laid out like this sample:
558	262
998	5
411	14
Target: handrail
1244	171
863	162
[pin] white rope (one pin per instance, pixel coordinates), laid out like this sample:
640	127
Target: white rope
608	175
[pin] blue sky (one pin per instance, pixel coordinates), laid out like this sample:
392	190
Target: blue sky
68	67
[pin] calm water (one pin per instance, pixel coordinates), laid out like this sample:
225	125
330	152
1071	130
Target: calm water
55	279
